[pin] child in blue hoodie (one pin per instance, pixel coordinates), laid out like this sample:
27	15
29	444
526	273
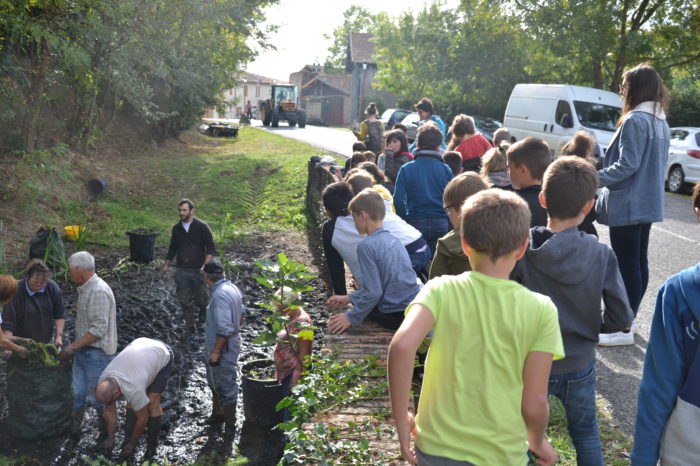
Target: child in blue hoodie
575	271
668	406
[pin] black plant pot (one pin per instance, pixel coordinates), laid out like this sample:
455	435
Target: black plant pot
261	394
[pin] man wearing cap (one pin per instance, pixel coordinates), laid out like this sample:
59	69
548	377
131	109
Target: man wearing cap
139	375
223	343
193	244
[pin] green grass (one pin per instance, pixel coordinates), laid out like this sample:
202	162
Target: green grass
253	183
616	447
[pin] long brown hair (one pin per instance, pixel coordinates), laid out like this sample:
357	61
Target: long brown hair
643	85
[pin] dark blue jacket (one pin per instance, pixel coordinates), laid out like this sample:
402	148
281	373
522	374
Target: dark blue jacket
420	185
668	406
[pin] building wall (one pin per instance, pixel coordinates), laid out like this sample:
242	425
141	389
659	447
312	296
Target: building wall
236	97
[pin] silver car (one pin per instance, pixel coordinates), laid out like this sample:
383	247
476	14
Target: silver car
683	159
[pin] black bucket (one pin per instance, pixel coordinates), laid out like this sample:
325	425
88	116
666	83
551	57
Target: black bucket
96	185
142	245
260	397
39	401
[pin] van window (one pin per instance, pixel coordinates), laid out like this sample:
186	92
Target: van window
597	116
563	108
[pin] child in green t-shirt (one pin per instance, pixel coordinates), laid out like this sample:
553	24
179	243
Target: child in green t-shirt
485	403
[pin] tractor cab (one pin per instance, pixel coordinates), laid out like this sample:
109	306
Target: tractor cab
285	98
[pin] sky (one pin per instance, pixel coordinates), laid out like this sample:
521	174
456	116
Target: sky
302	24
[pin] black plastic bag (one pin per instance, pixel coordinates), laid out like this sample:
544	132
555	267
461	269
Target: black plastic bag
39	399
48	246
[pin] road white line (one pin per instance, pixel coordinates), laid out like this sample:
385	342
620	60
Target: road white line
674	234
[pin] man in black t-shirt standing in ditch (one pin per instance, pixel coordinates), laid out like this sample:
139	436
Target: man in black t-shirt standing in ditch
192	242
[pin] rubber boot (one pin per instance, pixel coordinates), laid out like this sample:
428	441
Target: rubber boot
217	412
129	424
154	426
76	424
230	420
230	430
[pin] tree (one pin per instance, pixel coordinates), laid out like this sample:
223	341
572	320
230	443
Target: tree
356	19
593	42
67	67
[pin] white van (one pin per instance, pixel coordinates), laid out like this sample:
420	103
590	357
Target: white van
554	112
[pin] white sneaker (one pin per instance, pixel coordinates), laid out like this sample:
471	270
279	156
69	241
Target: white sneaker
616	339
634	327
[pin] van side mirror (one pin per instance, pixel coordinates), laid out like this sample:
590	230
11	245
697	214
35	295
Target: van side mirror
566	121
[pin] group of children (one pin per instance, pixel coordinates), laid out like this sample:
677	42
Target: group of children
526	318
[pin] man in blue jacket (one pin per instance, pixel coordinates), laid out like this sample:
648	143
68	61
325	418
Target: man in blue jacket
420	185
668	407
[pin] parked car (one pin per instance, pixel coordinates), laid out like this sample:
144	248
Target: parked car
391	116
411	122
683	159
486	126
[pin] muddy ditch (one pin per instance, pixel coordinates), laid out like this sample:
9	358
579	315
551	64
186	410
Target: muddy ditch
147	306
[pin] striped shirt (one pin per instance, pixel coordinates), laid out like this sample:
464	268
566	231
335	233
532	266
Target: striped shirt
97	313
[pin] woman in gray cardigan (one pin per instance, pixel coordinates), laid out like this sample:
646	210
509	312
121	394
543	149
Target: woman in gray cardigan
632	181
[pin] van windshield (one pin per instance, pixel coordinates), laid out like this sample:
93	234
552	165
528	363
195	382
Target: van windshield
597	116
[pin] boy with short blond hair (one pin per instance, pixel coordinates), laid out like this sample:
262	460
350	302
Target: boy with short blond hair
527	161
576	272
388	280
484	403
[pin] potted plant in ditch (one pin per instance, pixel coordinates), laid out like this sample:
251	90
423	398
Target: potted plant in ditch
261	390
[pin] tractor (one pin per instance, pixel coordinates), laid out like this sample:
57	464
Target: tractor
283	105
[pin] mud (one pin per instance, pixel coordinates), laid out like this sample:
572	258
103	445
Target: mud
147	306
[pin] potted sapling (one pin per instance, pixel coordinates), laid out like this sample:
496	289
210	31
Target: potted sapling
262	390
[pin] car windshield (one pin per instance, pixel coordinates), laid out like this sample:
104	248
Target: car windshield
487	124
597	116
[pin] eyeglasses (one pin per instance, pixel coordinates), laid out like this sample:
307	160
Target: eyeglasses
624	87
447	208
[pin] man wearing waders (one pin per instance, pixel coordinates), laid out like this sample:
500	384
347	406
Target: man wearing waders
96	338
139	375
223	343
192	242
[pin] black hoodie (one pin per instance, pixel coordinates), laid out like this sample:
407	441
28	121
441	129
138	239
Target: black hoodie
576	272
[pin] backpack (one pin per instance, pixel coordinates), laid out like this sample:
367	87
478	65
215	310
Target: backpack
373	141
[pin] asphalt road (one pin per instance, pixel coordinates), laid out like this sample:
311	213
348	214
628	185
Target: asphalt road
674	246
335	140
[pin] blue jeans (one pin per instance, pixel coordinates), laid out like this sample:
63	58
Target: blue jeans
432	229
631	245
576	390
420	259
88	365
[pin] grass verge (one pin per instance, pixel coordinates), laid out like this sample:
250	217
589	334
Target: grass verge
255	182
